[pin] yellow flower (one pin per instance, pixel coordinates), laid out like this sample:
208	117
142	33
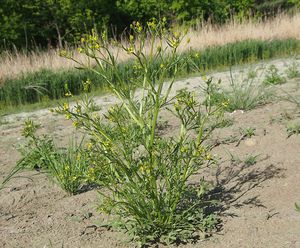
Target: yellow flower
208	156
76	124
68	116
89	146
68	94
66	106
225	103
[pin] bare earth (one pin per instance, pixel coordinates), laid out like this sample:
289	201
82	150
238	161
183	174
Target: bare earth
258	200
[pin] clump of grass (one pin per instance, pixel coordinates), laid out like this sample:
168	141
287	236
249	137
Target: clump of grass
273	76
242	94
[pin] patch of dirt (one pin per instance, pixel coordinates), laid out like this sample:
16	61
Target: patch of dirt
258	200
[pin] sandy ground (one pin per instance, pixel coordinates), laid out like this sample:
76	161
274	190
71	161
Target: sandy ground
257	200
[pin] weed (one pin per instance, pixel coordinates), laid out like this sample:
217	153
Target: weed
292	98
70	168
292	71
251	159
293	128
247	132
273	76
3	121
146	175
297	206
234	160
241	95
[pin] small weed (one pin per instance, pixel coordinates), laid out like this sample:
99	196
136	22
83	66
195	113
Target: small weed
70	168
292	70
297	206
225	122
247	132
293	128
3	121
292	98
273	76
234	160
252	73
245	94
250	160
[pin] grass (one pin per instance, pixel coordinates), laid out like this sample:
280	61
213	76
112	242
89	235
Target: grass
45	85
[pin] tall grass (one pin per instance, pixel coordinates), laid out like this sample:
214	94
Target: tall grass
48	84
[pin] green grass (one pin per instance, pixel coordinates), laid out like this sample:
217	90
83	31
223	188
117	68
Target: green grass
46	85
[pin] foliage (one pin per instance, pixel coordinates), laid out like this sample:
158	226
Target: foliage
44	23
146	186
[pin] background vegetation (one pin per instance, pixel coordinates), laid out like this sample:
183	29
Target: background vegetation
46	23
45	84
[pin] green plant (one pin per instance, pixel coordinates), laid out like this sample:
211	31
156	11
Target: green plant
70	168
247	132
250	159
146	182
293	128
245	94
273	76
292	70
297	206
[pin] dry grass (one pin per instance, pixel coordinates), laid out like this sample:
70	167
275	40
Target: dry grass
281	27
